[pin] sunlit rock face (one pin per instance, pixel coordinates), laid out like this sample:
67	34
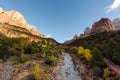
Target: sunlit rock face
17	19
102	25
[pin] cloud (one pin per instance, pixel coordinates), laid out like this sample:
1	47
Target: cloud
48	36
33	26
114	6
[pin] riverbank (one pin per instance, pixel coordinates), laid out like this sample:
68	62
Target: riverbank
89	73
56	70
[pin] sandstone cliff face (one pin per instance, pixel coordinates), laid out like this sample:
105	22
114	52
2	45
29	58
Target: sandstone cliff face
116	23
16	20
102	25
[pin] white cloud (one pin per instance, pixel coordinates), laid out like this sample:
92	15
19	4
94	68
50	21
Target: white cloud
48	36
114	6
33	26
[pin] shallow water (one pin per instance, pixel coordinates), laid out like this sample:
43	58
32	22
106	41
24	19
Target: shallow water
67	69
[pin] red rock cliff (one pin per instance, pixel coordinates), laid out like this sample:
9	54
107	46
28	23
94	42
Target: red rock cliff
102	25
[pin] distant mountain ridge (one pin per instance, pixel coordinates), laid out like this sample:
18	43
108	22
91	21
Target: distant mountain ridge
72	40
116	23
13	24
104	24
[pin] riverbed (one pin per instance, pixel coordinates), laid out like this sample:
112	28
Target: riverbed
66	70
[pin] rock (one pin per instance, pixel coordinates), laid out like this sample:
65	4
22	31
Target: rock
87	31
104	24
116	23
16	19
72	40
68	73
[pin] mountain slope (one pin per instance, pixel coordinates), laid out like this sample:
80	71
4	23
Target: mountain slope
107	42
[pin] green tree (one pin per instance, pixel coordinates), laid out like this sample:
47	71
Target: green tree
97	58
53	59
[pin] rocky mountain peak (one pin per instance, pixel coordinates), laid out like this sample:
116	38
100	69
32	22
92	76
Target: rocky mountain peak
15	18
102	25
116	23
87	31
75	37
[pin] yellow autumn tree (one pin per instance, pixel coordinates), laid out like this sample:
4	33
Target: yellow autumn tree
39	73
80	50
86	53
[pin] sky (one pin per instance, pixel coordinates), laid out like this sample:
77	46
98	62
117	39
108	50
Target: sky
61	19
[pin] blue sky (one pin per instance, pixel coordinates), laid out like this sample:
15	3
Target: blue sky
63	18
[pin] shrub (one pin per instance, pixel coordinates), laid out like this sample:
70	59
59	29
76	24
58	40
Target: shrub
106	73
51	60
42	55
84	53
24	57
97	58
71	49
1	61
39	73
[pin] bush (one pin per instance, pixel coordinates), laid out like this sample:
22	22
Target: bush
39	73
24	57
42	55
72	50
51	61
106	73
53	58
84	53
97	58
1	61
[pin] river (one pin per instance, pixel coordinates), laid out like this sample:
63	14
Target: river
67	71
